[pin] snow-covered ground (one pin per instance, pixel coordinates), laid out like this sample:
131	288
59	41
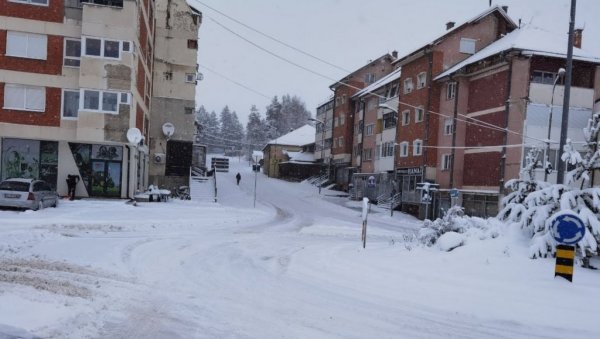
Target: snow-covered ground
293	267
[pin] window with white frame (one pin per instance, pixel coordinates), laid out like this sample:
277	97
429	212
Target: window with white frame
389	120
26	45
446	161
418	147
450	90
101	101
103	48
378	154
369	129
404	149
467	45
24	98
419	114
70	104
393	92
190	78
72	53
448	126
341	142
32	2
408	85
421	80
370	78
342	119
405	117
367	154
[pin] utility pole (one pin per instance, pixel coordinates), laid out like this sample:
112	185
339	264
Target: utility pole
560	176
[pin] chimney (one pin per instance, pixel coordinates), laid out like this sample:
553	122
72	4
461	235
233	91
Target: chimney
450	25
505	9
577	37
395	54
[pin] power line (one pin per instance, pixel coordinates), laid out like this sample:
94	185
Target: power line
235	82
273	38
468	120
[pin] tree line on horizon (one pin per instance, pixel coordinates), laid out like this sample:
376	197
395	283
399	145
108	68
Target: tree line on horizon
224	132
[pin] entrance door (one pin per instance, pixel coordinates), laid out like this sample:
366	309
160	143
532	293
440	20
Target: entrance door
106	178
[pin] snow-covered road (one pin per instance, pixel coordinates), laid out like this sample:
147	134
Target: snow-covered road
291	268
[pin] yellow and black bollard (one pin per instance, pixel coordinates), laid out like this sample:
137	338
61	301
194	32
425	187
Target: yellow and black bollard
565	256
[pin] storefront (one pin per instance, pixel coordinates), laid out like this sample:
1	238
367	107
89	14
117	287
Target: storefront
102	168
407	179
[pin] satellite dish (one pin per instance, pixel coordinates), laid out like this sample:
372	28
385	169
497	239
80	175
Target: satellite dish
134	136
168	129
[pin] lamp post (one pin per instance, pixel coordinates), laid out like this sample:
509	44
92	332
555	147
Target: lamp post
561	72
322	142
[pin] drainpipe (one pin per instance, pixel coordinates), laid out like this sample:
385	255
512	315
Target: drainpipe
454	127
362	132
505	138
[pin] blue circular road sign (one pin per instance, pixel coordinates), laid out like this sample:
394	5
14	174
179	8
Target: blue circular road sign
567	228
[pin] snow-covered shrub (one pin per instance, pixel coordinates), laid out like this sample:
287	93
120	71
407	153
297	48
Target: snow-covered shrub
533	204
432	230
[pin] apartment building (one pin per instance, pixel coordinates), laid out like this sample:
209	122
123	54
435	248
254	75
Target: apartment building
324	133
419	106
344	112
75	77
509	84
172	127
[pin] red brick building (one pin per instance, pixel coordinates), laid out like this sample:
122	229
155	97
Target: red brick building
419	112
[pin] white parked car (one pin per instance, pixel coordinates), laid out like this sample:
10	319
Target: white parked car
27	193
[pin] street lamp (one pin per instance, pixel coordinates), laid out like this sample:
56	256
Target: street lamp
561	72
322	142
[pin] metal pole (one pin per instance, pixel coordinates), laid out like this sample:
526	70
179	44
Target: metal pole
322	146
255	176
547	151
565	113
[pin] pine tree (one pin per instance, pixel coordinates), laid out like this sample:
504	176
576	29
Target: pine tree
209	128
255	130
533	204
274	118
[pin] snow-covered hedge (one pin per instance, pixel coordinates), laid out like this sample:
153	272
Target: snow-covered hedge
454	229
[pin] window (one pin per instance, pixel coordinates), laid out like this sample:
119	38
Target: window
126	46
467	45
343	98
370	78
32	2
387	149
369	129
405	118
450	90
378	152
124	98
393	92
72	56
70	104
543	77
190	78
342	119
418	147
101	101
404	149
341	142
448	126
26	45
419	114
446	161
103	48
24	98
367	154
408	85
192	44
188	110
389	120
421	80
113	3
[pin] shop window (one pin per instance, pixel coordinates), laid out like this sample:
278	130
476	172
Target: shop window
23	158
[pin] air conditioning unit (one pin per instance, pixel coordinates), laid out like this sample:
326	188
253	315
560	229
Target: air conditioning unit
159	158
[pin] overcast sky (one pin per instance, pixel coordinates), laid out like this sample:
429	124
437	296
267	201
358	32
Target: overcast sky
346	33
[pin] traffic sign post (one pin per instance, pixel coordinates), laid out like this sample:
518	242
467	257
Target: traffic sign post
567	229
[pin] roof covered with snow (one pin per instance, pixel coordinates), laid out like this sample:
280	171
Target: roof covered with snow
395	75
530	41
340	82
299	137
300	156
475	19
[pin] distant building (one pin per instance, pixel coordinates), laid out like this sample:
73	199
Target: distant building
276	150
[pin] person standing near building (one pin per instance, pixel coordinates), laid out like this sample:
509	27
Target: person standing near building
238	177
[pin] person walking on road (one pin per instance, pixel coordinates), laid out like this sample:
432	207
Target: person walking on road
238	177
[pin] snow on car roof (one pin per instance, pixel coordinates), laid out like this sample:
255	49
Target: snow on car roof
20	180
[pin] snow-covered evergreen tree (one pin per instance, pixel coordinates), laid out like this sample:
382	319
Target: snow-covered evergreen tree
255	130
532	204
